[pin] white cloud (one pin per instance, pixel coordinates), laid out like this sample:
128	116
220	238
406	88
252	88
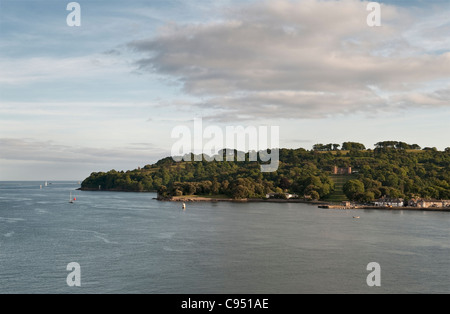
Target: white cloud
301	59
47	69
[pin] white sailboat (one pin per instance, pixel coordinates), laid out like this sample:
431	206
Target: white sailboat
72	199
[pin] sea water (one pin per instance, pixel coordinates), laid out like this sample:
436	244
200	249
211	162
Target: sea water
131	243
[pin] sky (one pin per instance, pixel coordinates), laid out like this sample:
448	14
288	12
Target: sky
108	94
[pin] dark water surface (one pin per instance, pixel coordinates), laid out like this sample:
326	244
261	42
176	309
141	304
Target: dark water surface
130	243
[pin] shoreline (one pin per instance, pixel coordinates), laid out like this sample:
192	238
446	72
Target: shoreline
359	207
246	200
113	190
320	204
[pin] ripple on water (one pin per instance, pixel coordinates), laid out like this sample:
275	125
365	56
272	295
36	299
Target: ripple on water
166	235
11	220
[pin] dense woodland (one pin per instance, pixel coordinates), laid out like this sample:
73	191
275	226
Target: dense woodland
392	169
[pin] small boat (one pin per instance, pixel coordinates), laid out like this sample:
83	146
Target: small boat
72	199
356	217
183	206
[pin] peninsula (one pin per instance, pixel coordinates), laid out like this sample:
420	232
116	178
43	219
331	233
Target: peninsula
324	175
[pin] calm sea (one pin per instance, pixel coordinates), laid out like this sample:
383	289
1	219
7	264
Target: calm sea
130	243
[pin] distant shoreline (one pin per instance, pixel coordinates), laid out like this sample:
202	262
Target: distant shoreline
113	190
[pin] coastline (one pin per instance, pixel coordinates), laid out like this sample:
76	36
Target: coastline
319	204
191	199
357	207
114	190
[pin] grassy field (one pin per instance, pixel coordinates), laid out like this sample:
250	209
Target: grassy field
338	195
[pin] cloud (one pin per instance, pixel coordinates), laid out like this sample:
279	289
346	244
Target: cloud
48	69
31	150
303	59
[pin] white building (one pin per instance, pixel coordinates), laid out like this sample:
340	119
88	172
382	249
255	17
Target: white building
288	195
389	202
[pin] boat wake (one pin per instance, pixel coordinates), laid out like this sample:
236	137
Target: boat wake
97	235
9	234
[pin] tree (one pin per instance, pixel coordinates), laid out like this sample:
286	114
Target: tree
162	191
353	188
240	192
395	145
285	183
366	197
315	195
353	146
224	186
326	148
402	145
215	188
190	188
318	147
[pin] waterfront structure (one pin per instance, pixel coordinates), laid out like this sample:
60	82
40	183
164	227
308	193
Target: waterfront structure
389	202
276	195
430	203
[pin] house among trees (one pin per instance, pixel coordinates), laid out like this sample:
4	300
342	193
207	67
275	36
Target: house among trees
281	195
345	170
389	202
422	203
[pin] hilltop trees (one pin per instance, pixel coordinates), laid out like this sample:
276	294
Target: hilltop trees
326	148
353	146
396	145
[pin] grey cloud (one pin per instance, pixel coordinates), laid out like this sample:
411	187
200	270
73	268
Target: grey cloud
113	52
438	98
299	59
293	105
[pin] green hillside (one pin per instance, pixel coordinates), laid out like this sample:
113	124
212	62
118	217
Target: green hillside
338	195
392	169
